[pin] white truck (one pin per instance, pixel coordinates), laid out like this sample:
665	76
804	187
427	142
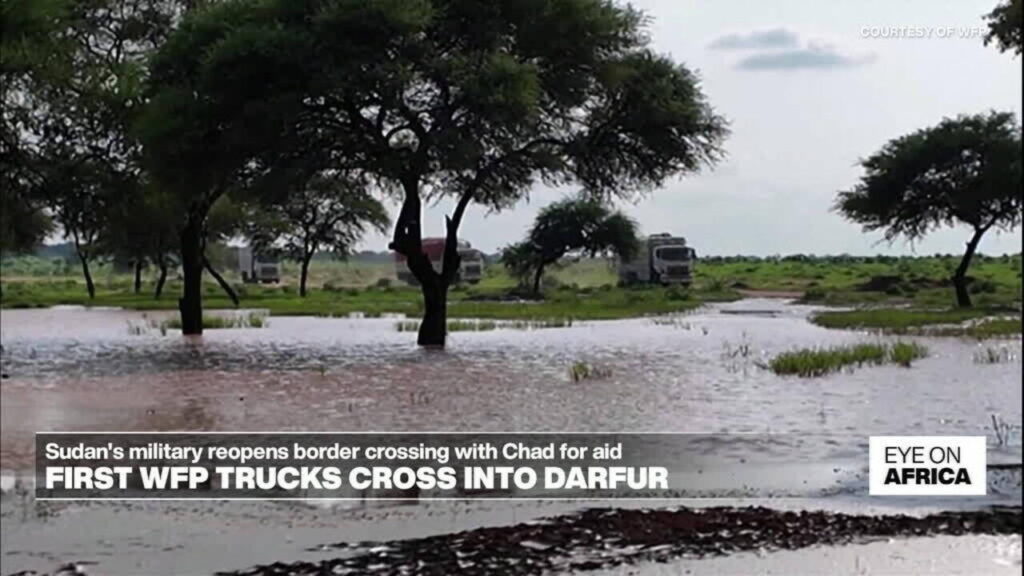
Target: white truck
255	267
660	258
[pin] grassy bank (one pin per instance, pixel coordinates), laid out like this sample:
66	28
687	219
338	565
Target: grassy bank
974	322
584	289
812	362
586	303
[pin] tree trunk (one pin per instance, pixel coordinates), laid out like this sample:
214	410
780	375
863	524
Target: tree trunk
303	274
434	327
89	286
160	279
138	276
963	297
220	280
536	279
191	303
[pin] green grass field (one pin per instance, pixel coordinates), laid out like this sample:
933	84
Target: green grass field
585	289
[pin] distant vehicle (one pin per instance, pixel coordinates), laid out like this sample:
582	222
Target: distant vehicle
256	267
660	258
471	268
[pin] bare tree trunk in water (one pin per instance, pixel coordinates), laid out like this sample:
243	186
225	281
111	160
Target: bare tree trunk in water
191	303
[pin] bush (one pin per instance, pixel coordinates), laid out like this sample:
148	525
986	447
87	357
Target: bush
677	294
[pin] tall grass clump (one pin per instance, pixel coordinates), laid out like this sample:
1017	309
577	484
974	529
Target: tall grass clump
484	325
580	371
813	362
250	320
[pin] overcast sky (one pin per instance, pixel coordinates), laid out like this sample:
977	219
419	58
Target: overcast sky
809	87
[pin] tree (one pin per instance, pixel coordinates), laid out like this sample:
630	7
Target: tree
965	170
1006	26
71	85
197	148
330	211
574	225
27	49
473	100
79	192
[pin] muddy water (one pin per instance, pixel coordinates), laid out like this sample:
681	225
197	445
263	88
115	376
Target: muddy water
91	370
115	370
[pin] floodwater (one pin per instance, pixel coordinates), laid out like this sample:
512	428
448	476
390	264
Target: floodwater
113	370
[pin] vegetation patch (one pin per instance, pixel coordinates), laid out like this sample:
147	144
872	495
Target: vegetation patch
814	362
484	325
580	371
250	320
994	355
969	322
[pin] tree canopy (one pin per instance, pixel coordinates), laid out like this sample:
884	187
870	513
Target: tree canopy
580	225
329	211
964	171
1006	26
477	101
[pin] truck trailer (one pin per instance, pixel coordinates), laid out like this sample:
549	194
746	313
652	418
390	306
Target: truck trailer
660	259
471	268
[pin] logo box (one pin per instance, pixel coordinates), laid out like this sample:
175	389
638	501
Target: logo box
927	466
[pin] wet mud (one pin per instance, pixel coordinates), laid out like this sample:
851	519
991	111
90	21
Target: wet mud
601	538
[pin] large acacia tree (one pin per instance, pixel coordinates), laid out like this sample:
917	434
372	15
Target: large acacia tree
964	171
473	100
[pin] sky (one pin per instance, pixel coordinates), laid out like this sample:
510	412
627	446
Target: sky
809	87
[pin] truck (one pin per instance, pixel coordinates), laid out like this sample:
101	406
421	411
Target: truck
660	258
471	268
257	267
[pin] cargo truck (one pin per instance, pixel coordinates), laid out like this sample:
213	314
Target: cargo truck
660	259
471	268
257	268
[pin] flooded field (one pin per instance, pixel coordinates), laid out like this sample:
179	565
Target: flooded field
111	370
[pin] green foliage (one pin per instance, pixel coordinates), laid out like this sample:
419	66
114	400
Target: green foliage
1006	26
965	170
477	101
330	211
579	225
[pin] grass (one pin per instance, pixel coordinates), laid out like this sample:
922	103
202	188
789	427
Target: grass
814	362
584	289
971	322
580	371
587	303
477	325
994	355
250	320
